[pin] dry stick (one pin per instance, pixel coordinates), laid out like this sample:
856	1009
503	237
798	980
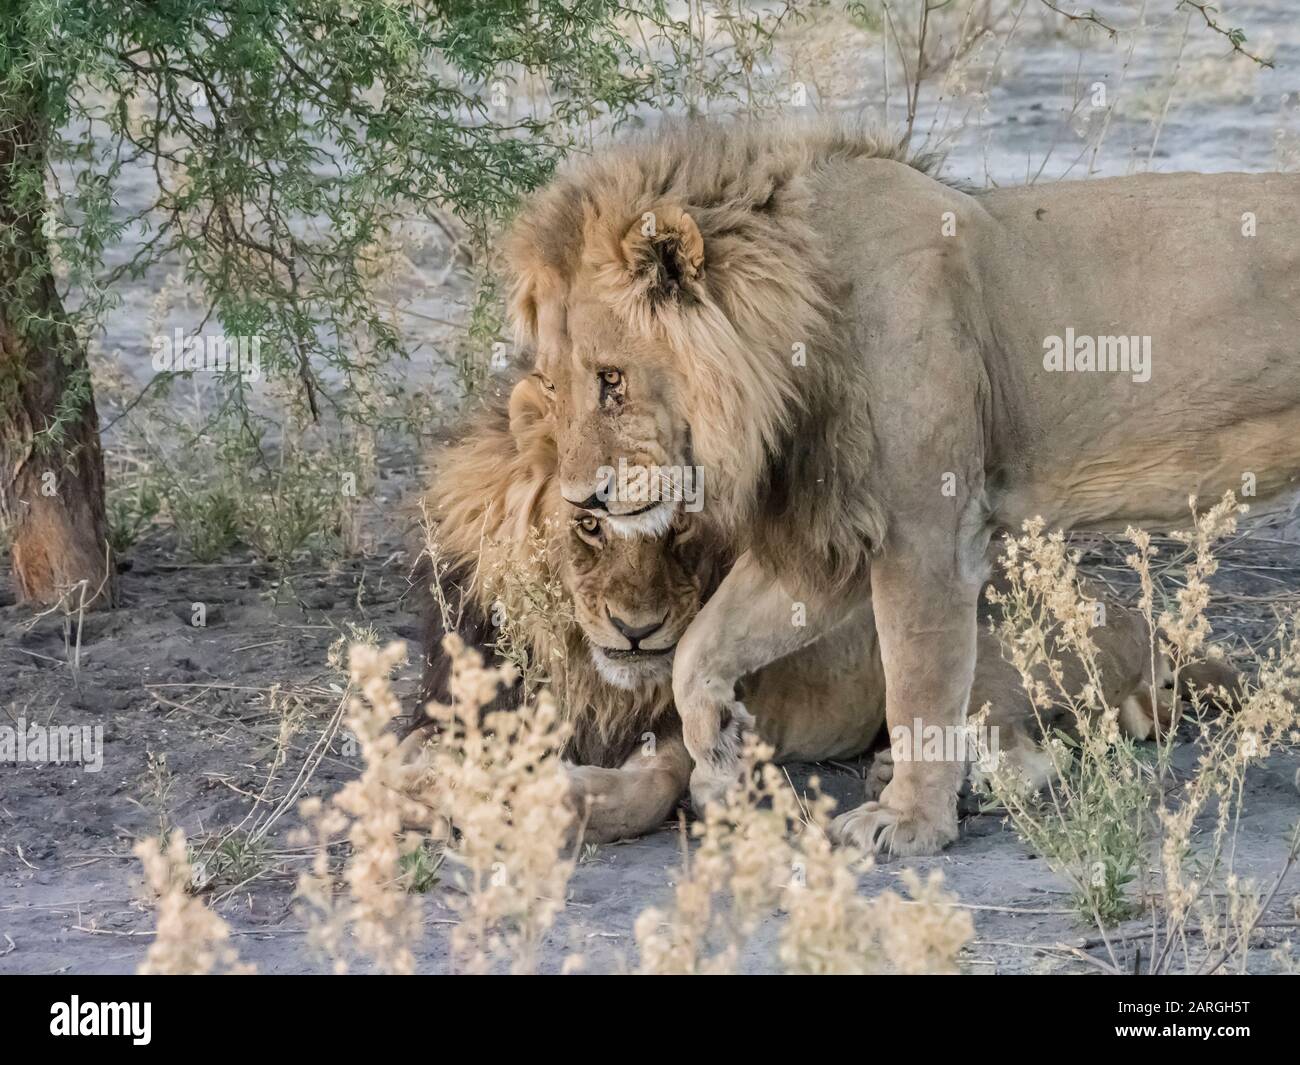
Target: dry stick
1049	948
1243	937
1112	970
884	62
163	700
959	905
1123	77
1173	83
988	77
1061	126
914	88
953	59
898	45
307	770
1090	16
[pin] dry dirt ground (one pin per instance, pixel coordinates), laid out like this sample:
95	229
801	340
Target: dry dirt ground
191	718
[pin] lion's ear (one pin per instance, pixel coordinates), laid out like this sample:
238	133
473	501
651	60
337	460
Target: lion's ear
528	404
663	253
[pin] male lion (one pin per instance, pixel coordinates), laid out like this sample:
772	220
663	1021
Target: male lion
876	371
627	602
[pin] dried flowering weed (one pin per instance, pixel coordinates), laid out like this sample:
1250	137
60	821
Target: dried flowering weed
764	852
487	789
1135	835
498	794
384	918
190	939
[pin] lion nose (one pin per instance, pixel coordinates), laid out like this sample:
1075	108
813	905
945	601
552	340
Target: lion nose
635	633
600	493
592	502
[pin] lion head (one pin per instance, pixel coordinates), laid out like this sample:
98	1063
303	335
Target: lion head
680	306
503	529
622	449
632	597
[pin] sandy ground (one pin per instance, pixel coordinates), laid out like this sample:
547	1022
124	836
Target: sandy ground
190	716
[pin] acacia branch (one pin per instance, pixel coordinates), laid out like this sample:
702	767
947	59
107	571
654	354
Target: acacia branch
1235	37
1085	16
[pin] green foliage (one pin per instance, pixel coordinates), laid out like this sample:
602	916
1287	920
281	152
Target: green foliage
477	358
420	867
130	512
867	14
237	859
718	55
207	519
284	136
1106	830
224	486
282	144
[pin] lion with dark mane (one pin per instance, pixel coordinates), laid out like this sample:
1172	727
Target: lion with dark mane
869	368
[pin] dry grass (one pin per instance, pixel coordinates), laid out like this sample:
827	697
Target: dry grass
497	792
489	792
191	939
1130	831
764	852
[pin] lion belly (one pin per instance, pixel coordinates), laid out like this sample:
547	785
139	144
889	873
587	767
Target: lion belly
825	701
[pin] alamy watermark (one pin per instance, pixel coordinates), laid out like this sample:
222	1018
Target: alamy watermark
652	484
76	1018
1103	354
208	352
57	745
969	742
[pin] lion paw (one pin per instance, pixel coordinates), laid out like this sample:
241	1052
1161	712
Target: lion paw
587	787
873	826
719	768
879	774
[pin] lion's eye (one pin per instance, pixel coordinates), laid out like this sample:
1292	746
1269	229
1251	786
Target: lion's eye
546	382
588	525
612	388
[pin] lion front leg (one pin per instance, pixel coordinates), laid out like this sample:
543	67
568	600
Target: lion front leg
925	615
750	621
635	798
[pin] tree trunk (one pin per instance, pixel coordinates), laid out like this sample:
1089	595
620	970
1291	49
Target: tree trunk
51	467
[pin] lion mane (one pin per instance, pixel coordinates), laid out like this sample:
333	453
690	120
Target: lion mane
496	516
751	326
